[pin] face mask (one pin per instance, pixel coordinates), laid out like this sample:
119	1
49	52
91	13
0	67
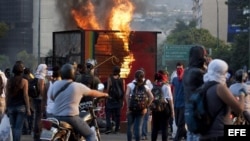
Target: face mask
179	73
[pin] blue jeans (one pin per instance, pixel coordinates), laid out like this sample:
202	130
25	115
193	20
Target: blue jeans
180	123
17	116
144	130
37	105
115	114
192	137
79	126
134	123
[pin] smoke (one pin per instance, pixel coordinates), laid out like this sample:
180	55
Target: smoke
102	11
148	22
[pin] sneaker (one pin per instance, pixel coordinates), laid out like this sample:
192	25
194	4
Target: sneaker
144	138
107	131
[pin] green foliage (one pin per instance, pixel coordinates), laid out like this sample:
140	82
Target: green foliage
3	29
4	62
29	60
240	51
240	55
189	35
182	26
193	36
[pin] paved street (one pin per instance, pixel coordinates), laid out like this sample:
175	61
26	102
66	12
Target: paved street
109	137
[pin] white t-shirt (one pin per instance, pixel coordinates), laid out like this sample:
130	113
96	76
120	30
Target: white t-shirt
166	89
235	89
67	102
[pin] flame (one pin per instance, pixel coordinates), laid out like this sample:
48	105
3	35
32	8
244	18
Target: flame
119	18
121	15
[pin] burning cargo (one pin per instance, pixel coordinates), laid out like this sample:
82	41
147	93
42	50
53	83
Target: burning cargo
130	51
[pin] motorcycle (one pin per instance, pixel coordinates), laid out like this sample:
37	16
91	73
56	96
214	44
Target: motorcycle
55	130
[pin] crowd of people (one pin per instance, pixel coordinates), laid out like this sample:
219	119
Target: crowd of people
232	95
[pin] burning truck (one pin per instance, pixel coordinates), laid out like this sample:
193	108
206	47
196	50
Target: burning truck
116	45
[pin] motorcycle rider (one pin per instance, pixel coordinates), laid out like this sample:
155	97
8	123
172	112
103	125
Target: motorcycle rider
66	103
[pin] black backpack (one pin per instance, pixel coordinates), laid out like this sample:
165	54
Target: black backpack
116	90
159	103
88	80
138	99
196	113
86	101
33	90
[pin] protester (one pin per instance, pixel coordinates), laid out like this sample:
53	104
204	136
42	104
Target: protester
18	106
66	103
160	119
144	128
114	105
56	75
239	87
134	119
3	83
179	102
193	77
28	123
7	73
39	102
220	100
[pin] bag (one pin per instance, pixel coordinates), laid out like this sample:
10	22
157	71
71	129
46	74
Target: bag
87	79
5	129
115	90
159	103
197	117
138	98
33	90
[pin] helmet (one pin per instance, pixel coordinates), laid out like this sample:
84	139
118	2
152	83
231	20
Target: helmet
90	63
240	75
68	71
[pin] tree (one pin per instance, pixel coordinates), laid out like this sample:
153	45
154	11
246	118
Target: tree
190	35
29	60
181	25
3	29
240	46
240	51
4	62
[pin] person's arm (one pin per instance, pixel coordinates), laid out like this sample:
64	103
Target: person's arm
150	96
108	83
228	98
41	86
170	99
127	95
26	96
96	93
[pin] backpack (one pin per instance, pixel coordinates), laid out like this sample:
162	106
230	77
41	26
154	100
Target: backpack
115	90
138	98
197	116
159	103
33	88
87	79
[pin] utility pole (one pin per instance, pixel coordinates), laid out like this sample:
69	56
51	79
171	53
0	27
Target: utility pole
217	23
39	30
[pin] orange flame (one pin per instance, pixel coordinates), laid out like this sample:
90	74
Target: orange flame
118	19
121	16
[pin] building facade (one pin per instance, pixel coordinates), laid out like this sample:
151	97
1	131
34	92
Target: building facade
18	15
